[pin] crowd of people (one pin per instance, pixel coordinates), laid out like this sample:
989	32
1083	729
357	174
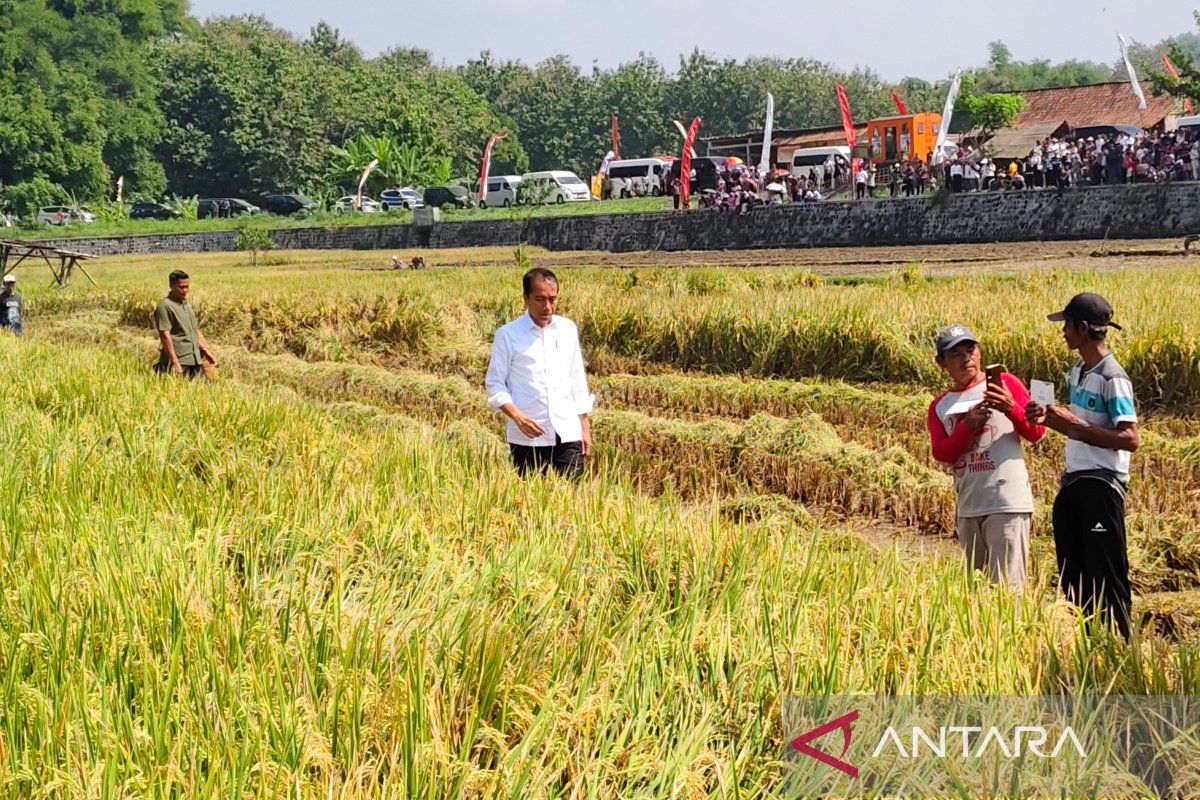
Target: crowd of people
1052	163
740	188
1055	162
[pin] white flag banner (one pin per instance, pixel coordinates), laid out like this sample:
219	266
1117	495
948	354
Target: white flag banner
363	182
764	163
120	188
683	132
607	162
1133	81
947	113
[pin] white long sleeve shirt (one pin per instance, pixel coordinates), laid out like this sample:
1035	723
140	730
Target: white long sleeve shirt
541	372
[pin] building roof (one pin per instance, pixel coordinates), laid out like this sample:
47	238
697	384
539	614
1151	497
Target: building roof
1016	143
824	137
777	135
1099	104
829	136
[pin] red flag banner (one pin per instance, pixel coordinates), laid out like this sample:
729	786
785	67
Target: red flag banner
487	165
847	122
1175	74
900	107
685	166
616	138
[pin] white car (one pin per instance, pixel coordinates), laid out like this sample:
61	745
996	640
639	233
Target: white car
406	198
501	191
346	205
64	215
555	186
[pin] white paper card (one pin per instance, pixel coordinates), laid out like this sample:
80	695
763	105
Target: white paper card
1042	393
962	407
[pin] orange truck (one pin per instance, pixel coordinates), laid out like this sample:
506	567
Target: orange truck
895	139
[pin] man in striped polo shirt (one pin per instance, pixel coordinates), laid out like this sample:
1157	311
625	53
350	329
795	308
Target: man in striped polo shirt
1102	431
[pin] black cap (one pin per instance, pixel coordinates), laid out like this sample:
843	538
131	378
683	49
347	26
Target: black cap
1090	308
954	336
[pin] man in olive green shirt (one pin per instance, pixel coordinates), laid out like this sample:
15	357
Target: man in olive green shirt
184	348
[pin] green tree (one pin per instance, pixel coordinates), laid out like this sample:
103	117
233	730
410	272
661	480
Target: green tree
1183	52
240	110
77	98
991	112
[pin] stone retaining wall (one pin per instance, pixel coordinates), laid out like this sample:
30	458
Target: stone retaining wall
1093	212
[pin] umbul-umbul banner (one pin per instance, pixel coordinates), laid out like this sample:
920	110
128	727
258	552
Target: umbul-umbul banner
486	169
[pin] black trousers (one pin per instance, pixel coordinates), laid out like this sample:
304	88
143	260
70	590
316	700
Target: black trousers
565	458
190	371
1089	540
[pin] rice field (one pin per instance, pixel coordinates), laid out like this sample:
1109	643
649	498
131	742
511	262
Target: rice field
319	577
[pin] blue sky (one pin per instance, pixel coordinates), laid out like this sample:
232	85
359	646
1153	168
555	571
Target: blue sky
929	43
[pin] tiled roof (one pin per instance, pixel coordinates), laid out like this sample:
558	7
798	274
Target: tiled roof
1099	104
1016	143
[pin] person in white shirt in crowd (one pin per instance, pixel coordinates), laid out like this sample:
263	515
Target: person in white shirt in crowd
971	175
956	176
988	172
537	379
860	182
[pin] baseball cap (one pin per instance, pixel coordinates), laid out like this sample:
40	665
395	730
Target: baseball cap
10	278
1087	307
954	336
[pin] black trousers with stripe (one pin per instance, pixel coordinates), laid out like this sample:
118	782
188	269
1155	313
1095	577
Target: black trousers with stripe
1089	540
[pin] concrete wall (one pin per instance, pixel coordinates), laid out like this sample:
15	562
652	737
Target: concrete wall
1093	212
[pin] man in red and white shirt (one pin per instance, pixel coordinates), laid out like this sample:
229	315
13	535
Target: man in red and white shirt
976	428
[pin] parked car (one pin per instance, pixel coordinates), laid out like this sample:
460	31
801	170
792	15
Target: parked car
407	198
345	205
555	186
501	191
456	196
223	207
64	215
708	172
286	204
153	211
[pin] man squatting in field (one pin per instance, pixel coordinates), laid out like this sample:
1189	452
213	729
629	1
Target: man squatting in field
536	378
977	427
1101	427
183	347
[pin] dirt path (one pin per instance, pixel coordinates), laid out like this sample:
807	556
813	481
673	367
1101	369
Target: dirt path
942	259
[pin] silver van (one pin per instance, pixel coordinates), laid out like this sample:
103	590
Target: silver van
501	191
637	177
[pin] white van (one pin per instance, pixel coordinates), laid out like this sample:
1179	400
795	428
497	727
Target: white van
501	191
637	177
555	186
821	161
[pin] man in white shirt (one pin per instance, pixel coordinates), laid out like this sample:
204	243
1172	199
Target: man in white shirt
860	182
536	378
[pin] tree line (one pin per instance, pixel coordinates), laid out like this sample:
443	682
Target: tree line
95	89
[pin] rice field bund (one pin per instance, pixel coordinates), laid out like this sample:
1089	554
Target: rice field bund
320	578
